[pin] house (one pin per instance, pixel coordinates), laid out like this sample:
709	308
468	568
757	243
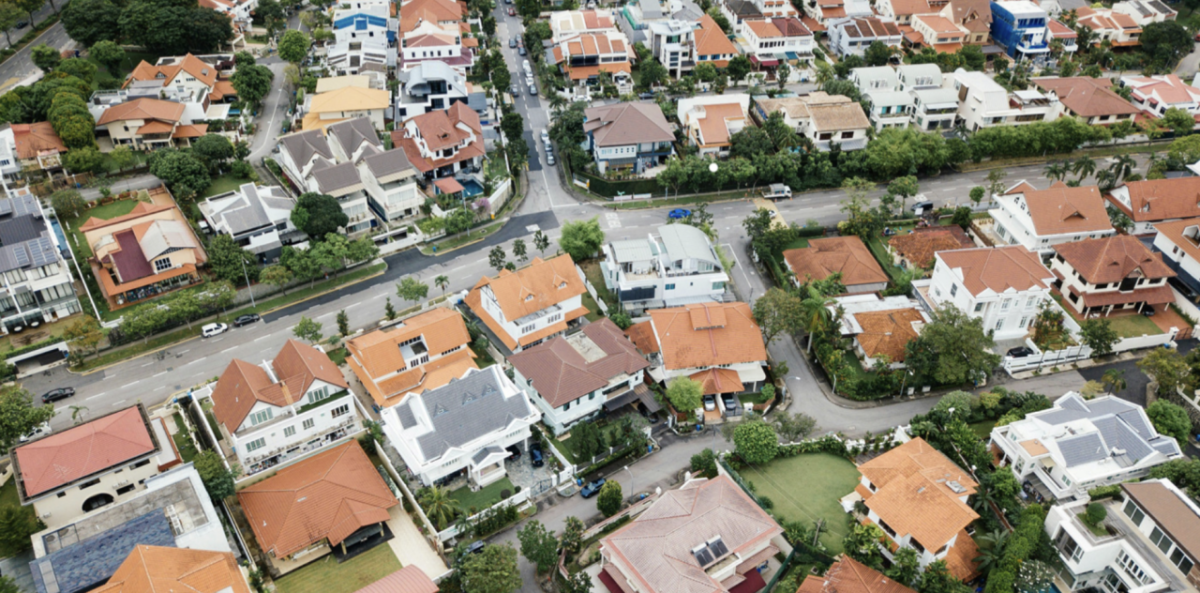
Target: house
196	104
771	41
533	304
437	42
278	411
828	13
1040	219
740	12
174	510
363	56
632	136
918	497
1151	540
712	45
573	379
366	80
258	218
1003	286
855	35
901	12
149	124
1156	94
144	254
983	103
1099	276
466	426
30	146
567	24
442	143
419	353
936	32
346	103
1079	444
847	256
1117	28
706	536
38	285
1145	12
210	74
673	44
917	247
432	86
154	568
718	345
1179	244
847	575
824	119
889	107
410	579
364	39
934	100
881	327
1019	26
388	179
1090	99
334	499
709	122
1149	202
10	164
90	465
678	267
582	58
1056	30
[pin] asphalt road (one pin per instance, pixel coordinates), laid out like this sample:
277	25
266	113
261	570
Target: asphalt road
20	66
38	16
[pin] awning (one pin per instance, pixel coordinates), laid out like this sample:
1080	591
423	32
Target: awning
448	185
639	393
764	62
752	375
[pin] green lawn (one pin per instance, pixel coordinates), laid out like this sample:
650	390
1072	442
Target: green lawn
338	356
806	488
9	499
591	269
183	442
482	358
327	576
1134	326
223	184
127	65
983	429
593	309
82	250
484	498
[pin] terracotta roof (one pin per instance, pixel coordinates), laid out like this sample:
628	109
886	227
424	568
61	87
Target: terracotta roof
1062	209
764	29
713	381
714	125
190	131
1034	447
1061	31
80	451
972	12
998	268
410	579
156	569
244	384
919	246
377	361
869	27
910	7
155	127
961	560
1172	514
145	109
888	332
621	124
349	98
791	27
1169	88
535	287
938	24
414	12
440	130
205	73
703	335
848	575
1112	259
1176	233
585	72
36	138
1162	199
223	89
658	544
913	493
327	496
1087	97
642	336
825	257
711	40
566	369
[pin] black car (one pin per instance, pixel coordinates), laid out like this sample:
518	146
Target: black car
729	401
1020	351
514	452
246	319
56	394
536	457
1148	311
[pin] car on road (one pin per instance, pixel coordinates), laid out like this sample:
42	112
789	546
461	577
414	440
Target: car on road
710	403
592	488
246	319
529	79
515	90
56	394
527	67
545	136
521	50
213	329
550	158
533	90
679	213
644	96
512	11
21	25
512	42
1020	351
536	457
36	432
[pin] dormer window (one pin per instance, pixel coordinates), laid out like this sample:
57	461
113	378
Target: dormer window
528	298
562	285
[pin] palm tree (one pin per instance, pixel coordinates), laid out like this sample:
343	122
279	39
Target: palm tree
816	313
1106	179
78	414
1084	167
438	505
1056	170
441	282
1113	380
991	548
1122	166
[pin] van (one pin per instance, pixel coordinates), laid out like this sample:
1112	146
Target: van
922	207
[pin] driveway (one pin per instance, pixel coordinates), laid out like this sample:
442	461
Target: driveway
410	545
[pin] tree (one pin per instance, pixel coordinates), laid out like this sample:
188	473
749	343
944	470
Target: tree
84	160
343	323
30	7
782	73
962	217
17	525
1167	367
19	415
650	74
1179	120
9	17
122	157
581	238
496	258
213	149
411	289
976	194
750	141
252	83
494	570
276	275
610	500
318	215
1171	420
538	545
952	349
388	310
273	17
903	187
519	250
906	566
309	330
45	57
67	203
294	45
1084	167
1113	380
79	68
755	442
862	544
217	478
705	72
229	261
572	537
438	506
578	582
793	427
738	68
1165	43
878	54
777	312
442	282
684	395
84	333
704	464
938	579
1099	335
183	173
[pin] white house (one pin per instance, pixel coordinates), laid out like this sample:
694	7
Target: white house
854	35
533	304
281	410
673	43
1081	444
1179	244
935	102
371	23
1039	219
823	118
709	122
986	104
1157	94
766	40
678	267
1145	12
309	163
572	379
889	105
38	286
1004	286
439	43
463	427
433	86
388	178
258	218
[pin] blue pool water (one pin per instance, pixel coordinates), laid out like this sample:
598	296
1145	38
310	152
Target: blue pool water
471	188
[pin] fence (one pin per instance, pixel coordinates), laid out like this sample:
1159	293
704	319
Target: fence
412	500
515	500
596	297
1041	359
500	197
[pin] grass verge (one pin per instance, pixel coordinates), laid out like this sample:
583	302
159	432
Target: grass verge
462	239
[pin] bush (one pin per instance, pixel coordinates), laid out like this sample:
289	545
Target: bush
1095	514
1103	492
1021	545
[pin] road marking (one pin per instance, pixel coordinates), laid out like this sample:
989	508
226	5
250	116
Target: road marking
127	385
264	337
147	364
95	396
184	351
325	315
158	375
228	349
196	361
160	387
118	403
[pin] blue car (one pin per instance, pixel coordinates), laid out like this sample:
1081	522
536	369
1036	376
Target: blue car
679	213
592	488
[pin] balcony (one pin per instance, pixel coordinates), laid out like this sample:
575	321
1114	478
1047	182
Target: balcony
278	455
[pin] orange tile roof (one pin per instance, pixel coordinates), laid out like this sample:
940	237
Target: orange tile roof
190	64
711	39
703	335
1161	199
155	127
415	12
1112	259
442	329
642	336
848	575
1062	209
410	579
713	381
764	29
998	269
530	289
825	257
1086	96
144	109
190	131
919	246
327	496
36	138
1034	447
156	569
297	366
887	332
714	126
80	451
585	72
961	559
1174	231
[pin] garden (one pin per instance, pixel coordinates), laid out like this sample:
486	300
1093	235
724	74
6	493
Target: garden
806	489
327	575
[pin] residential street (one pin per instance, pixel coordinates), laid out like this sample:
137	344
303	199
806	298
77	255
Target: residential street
20	66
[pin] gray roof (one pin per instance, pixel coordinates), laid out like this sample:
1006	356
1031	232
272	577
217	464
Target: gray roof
1123	431
350	134
1082	449
24	236
484	452
91	562
684	241
631	250
382	164
247	213
466	408
1125	444
302	146
744	9
1069	5
651	9
333	178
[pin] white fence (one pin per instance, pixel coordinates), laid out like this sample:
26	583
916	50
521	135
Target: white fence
500	197
1052	358
515	500
412	499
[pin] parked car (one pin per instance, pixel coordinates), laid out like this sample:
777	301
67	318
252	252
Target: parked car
550	158
546	136
645	96
679	213
512	11
21	24
512	41
533	90
592	488
246	319
476	547
514	452
710	403
536	457
1148	311
39	431
213	329
527	67
730	401
1020	351
529	79
520	50
647	414
921	208
56	394
515	90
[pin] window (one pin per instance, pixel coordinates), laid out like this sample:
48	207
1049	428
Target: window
260	416
978	307
718	285
953	289
89	484
669	287
256	444
319	394
999	324
1134	513
528	328
1024	322
1004	304
1160	539
290	431
308	424
341	410
1031	302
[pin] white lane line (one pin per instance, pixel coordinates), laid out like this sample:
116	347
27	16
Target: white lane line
263	338
128	385
95	396
196	361
158	375
228	349
160	387
118	403
184	351
329	314
147	364
378	296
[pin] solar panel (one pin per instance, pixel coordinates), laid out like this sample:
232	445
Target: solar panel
703	556
718	547
21	255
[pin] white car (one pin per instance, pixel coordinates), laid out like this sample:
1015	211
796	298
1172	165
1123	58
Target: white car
545	136
39	431
528	68
213	329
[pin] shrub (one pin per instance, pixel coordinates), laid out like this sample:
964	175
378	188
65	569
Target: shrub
1095	514
1103	492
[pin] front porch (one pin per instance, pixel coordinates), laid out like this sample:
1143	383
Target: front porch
120	295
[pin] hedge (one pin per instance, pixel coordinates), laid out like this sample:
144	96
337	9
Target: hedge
1103	492
31	347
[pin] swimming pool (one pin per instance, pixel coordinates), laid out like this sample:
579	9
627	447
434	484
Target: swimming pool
471	188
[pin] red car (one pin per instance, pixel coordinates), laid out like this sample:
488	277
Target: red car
512	11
